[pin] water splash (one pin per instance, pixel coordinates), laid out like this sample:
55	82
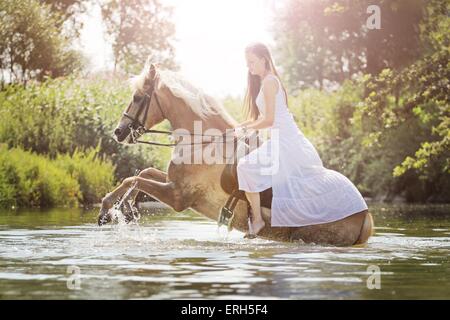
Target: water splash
116	211
123	230
222	236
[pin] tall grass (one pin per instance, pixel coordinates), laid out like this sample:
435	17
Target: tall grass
94	174
31	180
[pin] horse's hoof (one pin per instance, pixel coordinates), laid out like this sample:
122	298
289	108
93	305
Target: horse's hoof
130	212
129	219
104	217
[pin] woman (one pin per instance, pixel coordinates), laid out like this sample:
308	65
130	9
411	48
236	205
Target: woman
304	191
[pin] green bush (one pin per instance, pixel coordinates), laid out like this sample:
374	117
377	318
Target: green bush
9	184
94	175
31	180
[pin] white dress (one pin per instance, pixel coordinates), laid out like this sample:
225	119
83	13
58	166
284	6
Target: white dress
304	191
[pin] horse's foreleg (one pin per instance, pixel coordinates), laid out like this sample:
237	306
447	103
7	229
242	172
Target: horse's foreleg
166	192
149	173
131	213
110	198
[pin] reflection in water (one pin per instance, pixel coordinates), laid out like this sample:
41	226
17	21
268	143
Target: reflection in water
183	255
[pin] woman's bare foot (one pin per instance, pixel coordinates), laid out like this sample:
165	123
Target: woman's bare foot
256	227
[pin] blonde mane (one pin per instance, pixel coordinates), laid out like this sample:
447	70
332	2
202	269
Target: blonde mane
199	102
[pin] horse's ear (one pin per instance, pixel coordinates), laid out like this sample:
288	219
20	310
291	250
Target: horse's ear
152	71
151	68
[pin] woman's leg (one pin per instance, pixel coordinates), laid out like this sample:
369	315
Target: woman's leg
257	220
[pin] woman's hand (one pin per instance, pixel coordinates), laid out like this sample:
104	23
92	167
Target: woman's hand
239	132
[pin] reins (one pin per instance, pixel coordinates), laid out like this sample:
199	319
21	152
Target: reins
137	127
136	135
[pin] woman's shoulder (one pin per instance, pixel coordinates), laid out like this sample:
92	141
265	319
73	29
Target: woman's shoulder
271	80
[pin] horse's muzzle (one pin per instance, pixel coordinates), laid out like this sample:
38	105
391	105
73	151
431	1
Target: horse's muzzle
121	133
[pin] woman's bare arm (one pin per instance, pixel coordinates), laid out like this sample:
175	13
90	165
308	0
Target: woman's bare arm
244	123
270	89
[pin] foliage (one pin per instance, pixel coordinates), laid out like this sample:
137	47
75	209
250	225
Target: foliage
139	29
70	11
94	175
30	180
31	45
321	43
414	104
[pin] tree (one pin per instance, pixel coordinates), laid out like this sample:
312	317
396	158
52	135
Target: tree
31	45
324	42
408	113
70	11
139	29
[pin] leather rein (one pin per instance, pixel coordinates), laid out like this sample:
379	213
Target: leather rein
137	128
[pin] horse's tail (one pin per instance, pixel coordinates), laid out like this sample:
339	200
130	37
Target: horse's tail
366	230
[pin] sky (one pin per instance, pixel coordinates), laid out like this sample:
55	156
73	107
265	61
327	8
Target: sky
209	42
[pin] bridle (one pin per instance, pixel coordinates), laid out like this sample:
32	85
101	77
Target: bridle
137	127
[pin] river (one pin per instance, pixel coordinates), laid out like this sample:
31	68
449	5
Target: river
63	254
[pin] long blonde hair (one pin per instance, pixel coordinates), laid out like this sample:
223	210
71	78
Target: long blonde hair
254	81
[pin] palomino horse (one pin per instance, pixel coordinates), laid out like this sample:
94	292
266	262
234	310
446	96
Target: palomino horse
197	186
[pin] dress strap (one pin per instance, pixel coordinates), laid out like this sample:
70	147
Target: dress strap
278	80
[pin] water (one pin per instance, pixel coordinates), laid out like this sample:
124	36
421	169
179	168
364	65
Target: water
181	255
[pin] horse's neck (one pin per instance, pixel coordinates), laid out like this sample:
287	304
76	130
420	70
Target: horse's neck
188	123
182	117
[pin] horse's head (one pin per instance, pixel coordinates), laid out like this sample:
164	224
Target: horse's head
145	110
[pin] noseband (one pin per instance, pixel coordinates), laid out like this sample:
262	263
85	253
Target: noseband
137	126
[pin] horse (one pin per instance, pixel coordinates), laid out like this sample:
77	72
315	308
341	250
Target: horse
165	95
